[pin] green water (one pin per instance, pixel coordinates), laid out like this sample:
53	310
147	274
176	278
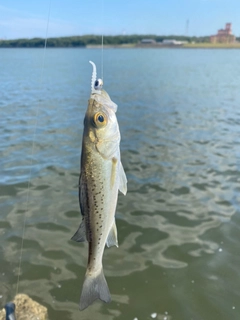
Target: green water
178	225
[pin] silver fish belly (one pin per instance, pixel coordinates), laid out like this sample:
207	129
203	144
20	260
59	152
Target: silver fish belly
101	177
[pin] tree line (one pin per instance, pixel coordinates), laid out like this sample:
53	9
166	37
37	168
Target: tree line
83	41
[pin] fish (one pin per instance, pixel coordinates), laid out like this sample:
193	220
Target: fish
101	177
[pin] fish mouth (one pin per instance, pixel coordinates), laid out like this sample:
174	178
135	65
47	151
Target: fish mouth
104	100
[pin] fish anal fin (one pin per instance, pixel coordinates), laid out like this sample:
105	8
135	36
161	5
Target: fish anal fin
112	236
80	234
94	287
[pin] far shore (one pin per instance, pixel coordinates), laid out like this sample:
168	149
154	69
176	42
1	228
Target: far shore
120	41
235	45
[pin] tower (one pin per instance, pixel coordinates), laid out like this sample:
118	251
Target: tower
228	28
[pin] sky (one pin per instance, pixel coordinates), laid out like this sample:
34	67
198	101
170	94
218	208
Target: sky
55	18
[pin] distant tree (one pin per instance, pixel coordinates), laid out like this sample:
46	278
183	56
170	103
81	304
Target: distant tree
81	41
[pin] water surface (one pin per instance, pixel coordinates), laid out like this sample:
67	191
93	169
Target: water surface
178	226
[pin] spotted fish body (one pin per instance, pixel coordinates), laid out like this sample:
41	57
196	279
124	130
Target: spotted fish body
101	177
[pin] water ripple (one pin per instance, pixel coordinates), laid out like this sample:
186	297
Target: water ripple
178	226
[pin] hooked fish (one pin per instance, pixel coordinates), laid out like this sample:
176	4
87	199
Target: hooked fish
102	175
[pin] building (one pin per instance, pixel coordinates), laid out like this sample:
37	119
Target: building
173	42
148	41
155	44
224	35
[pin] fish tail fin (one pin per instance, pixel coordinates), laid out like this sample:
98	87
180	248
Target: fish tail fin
94	287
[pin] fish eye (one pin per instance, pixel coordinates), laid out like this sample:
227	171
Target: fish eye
100	119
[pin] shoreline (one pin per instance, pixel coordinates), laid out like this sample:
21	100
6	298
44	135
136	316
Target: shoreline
142	46
164	46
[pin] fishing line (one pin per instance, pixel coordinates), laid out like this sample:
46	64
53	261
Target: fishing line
102	57
33	149
102	40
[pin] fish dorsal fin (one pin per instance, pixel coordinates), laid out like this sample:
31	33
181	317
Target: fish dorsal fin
80	235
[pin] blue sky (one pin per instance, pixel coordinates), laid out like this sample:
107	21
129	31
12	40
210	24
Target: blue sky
28	18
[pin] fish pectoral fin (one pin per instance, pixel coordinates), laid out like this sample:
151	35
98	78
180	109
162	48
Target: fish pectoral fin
112	236
122	180
114	171
80	235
